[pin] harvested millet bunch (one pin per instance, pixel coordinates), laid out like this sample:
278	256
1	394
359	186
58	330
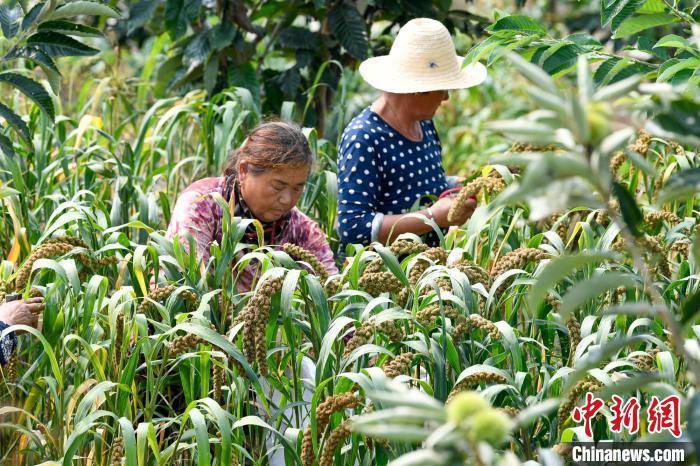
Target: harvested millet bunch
308	257
218	373
574	328
257	312
424	260
651	219
399	364
359	338
602	216
680	247
616	162
390	329
474	380
117	451
332	286
324	411
474	273
400	247
337	436
11	368
43	251
118	342
645	361
517	259
641	145
581	387
190	298
185	343
380	282
488	184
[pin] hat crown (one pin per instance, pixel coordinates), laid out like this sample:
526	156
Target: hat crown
427	43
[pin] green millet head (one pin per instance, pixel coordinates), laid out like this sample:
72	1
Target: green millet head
465	405
491	426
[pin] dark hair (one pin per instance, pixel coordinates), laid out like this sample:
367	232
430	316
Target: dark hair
274	144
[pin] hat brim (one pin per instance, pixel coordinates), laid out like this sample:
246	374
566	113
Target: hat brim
380	73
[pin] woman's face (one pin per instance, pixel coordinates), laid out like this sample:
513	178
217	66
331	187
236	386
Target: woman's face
425	104
273	193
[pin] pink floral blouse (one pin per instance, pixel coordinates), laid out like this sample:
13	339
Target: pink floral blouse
197	213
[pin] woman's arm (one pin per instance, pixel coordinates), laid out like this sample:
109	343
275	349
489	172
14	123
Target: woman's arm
393	225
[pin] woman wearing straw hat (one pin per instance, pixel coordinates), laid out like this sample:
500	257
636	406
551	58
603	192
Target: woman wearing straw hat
389	155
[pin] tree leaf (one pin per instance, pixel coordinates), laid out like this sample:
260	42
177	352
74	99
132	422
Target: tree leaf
670	67
9	20
179	14
640	23
519	23
71	29
31	89
672	40
82	7
564	56
141	12
16	122
35	54
630	211
60	45
348	26
32	15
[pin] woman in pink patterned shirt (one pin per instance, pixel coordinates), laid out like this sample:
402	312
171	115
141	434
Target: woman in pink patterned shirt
266	177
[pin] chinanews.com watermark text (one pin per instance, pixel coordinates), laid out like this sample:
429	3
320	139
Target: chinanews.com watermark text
631	454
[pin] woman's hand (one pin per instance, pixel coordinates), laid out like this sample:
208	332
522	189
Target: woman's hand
442	207
22	312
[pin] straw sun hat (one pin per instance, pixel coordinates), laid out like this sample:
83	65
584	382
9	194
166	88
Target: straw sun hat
422	58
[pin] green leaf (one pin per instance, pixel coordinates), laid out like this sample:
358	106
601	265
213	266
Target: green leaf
518	23
71	29
34	54
60	45
640	23
670	67
630	211
672	40
652	6
141	12
690	308
681	185
557	269
32	15
563	57
16	122
298	38
31	89
9	20
617	11
81	7
348	26
6	146
179	14
592	288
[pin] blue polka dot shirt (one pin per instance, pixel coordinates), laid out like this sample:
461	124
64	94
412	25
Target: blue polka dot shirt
382	172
